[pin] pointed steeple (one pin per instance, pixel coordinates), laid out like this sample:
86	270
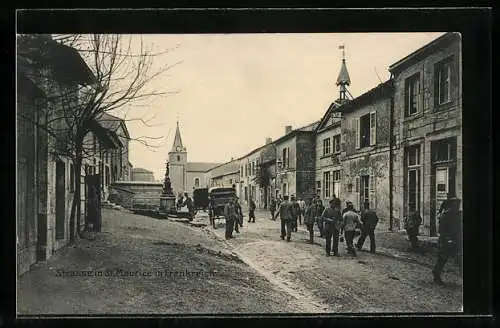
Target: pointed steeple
177	145
343	80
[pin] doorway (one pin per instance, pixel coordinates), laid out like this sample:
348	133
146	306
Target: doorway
60	199
93	207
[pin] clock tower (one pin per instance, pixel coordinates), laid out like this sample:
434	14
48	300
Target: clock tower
177	158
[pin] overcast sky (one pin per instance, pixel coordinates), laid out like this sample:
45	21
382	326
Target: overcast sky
234	90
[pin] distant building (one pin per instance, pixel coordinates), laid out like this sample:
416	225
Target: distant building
186	176
295	159
140	174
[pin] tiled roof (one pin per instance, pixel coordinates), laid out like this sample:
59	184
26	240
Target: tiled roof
199	166
224	169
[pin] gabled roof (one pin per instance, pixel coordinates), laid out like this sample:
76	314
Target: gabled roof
199	166
113	123
383	90
424	51
305	129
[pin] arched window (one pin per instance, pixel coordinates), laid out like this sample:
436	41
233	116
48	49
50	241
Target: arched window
196	182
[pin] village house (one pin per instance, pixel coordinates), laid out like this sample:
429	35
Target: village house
427	131
224	175
295	162
328	150
248	187
266	173
365	156
50	76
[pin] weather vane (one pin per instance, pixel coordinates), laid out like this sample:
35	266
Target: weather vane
341	47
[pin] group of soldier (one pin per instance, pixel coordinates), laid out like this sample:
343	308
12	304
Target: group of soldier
233	215
336	224
332	222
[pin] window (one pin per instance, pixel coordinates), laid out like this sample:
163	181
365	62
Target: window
326	184
442	76
366	127
253	168
442	180
326	146
231	181
336	143
412	93
71	178
364	191
241	171
178	158
413	155
285	157
196	182
336	183
318	187
413	176
444	150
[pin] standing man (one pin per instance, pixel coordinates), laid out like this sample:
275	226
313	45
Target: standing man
302	205
285	213
272	208
449	234
351	220
369	219
238	221
251	211
189	203
295	213
333	222
412	224
309	216
230	216
319	211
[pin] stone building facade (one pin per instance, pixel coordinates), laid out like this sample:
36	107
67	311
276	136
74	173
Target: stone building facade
428	133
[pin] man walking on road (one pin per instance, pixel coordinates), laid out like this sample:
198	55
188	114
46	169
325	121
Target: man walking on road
449	234
272	208
230	216
302	205
285	213
318	212
251	211
412	224
369	219
333	222
309	216
238	222
188	202
351	220
295	213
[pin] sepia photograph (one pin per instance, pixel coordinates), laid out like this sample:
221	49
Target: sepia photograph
239	173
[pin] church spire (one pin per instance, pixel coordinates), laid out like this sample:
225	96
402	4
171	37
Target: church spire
343	79
177	145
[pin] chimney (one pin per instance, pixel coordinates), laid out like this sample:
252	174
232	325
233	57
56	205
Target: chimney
268	141
288	129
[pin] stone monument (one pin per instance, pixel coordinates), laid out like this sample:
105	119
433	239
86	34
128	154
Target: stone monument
167	198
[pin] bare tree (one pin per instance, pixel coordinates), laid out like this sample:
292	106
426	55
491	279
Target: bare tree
122	72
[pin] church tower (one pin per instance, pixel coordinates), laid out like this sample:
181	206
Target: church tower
177	158
343	80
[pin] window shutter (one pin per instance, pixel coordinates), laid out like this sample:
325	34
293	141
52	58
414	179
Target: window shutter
373	128
373	189
356	132
357	184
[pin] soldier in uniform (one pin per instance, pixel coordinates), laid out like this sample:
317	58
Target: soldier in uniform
412	224
309	216
351	220
318	212
369	219
285	213
449	234
238	221
333	222
295	213
272	208
230	216
251	211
